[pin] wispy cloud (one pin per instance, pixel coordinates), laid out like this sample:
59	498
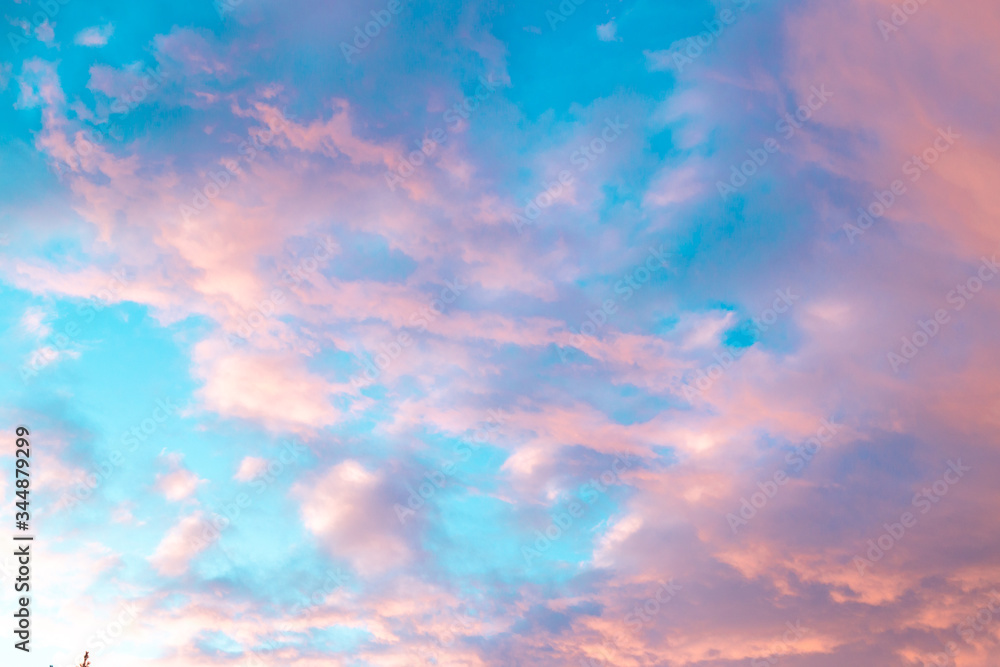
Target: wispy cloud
95	35
608	32
657	359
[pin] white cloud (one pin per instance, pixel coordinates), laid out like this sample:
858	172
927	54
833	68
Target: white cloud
97	35
43	356
178	485
45	33
33	322
339	507
608	32
182	543
250	467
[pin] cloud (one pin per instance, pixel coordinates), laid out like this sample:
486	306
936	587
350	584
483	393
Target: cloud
178	484
275	388
45	33
250	467
95	35
185	540
349	508
46	355
271	336
33	322
608	32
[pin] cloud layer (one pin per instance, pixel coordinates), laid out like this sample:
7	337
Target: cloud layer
570	334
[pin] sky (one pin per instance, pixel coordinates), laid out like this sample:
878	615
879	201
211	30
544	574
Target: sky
494	334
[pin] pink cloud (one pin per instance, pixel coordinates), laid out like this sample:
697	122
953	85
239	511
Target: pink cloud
250	467
348	508
185	540
177	485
